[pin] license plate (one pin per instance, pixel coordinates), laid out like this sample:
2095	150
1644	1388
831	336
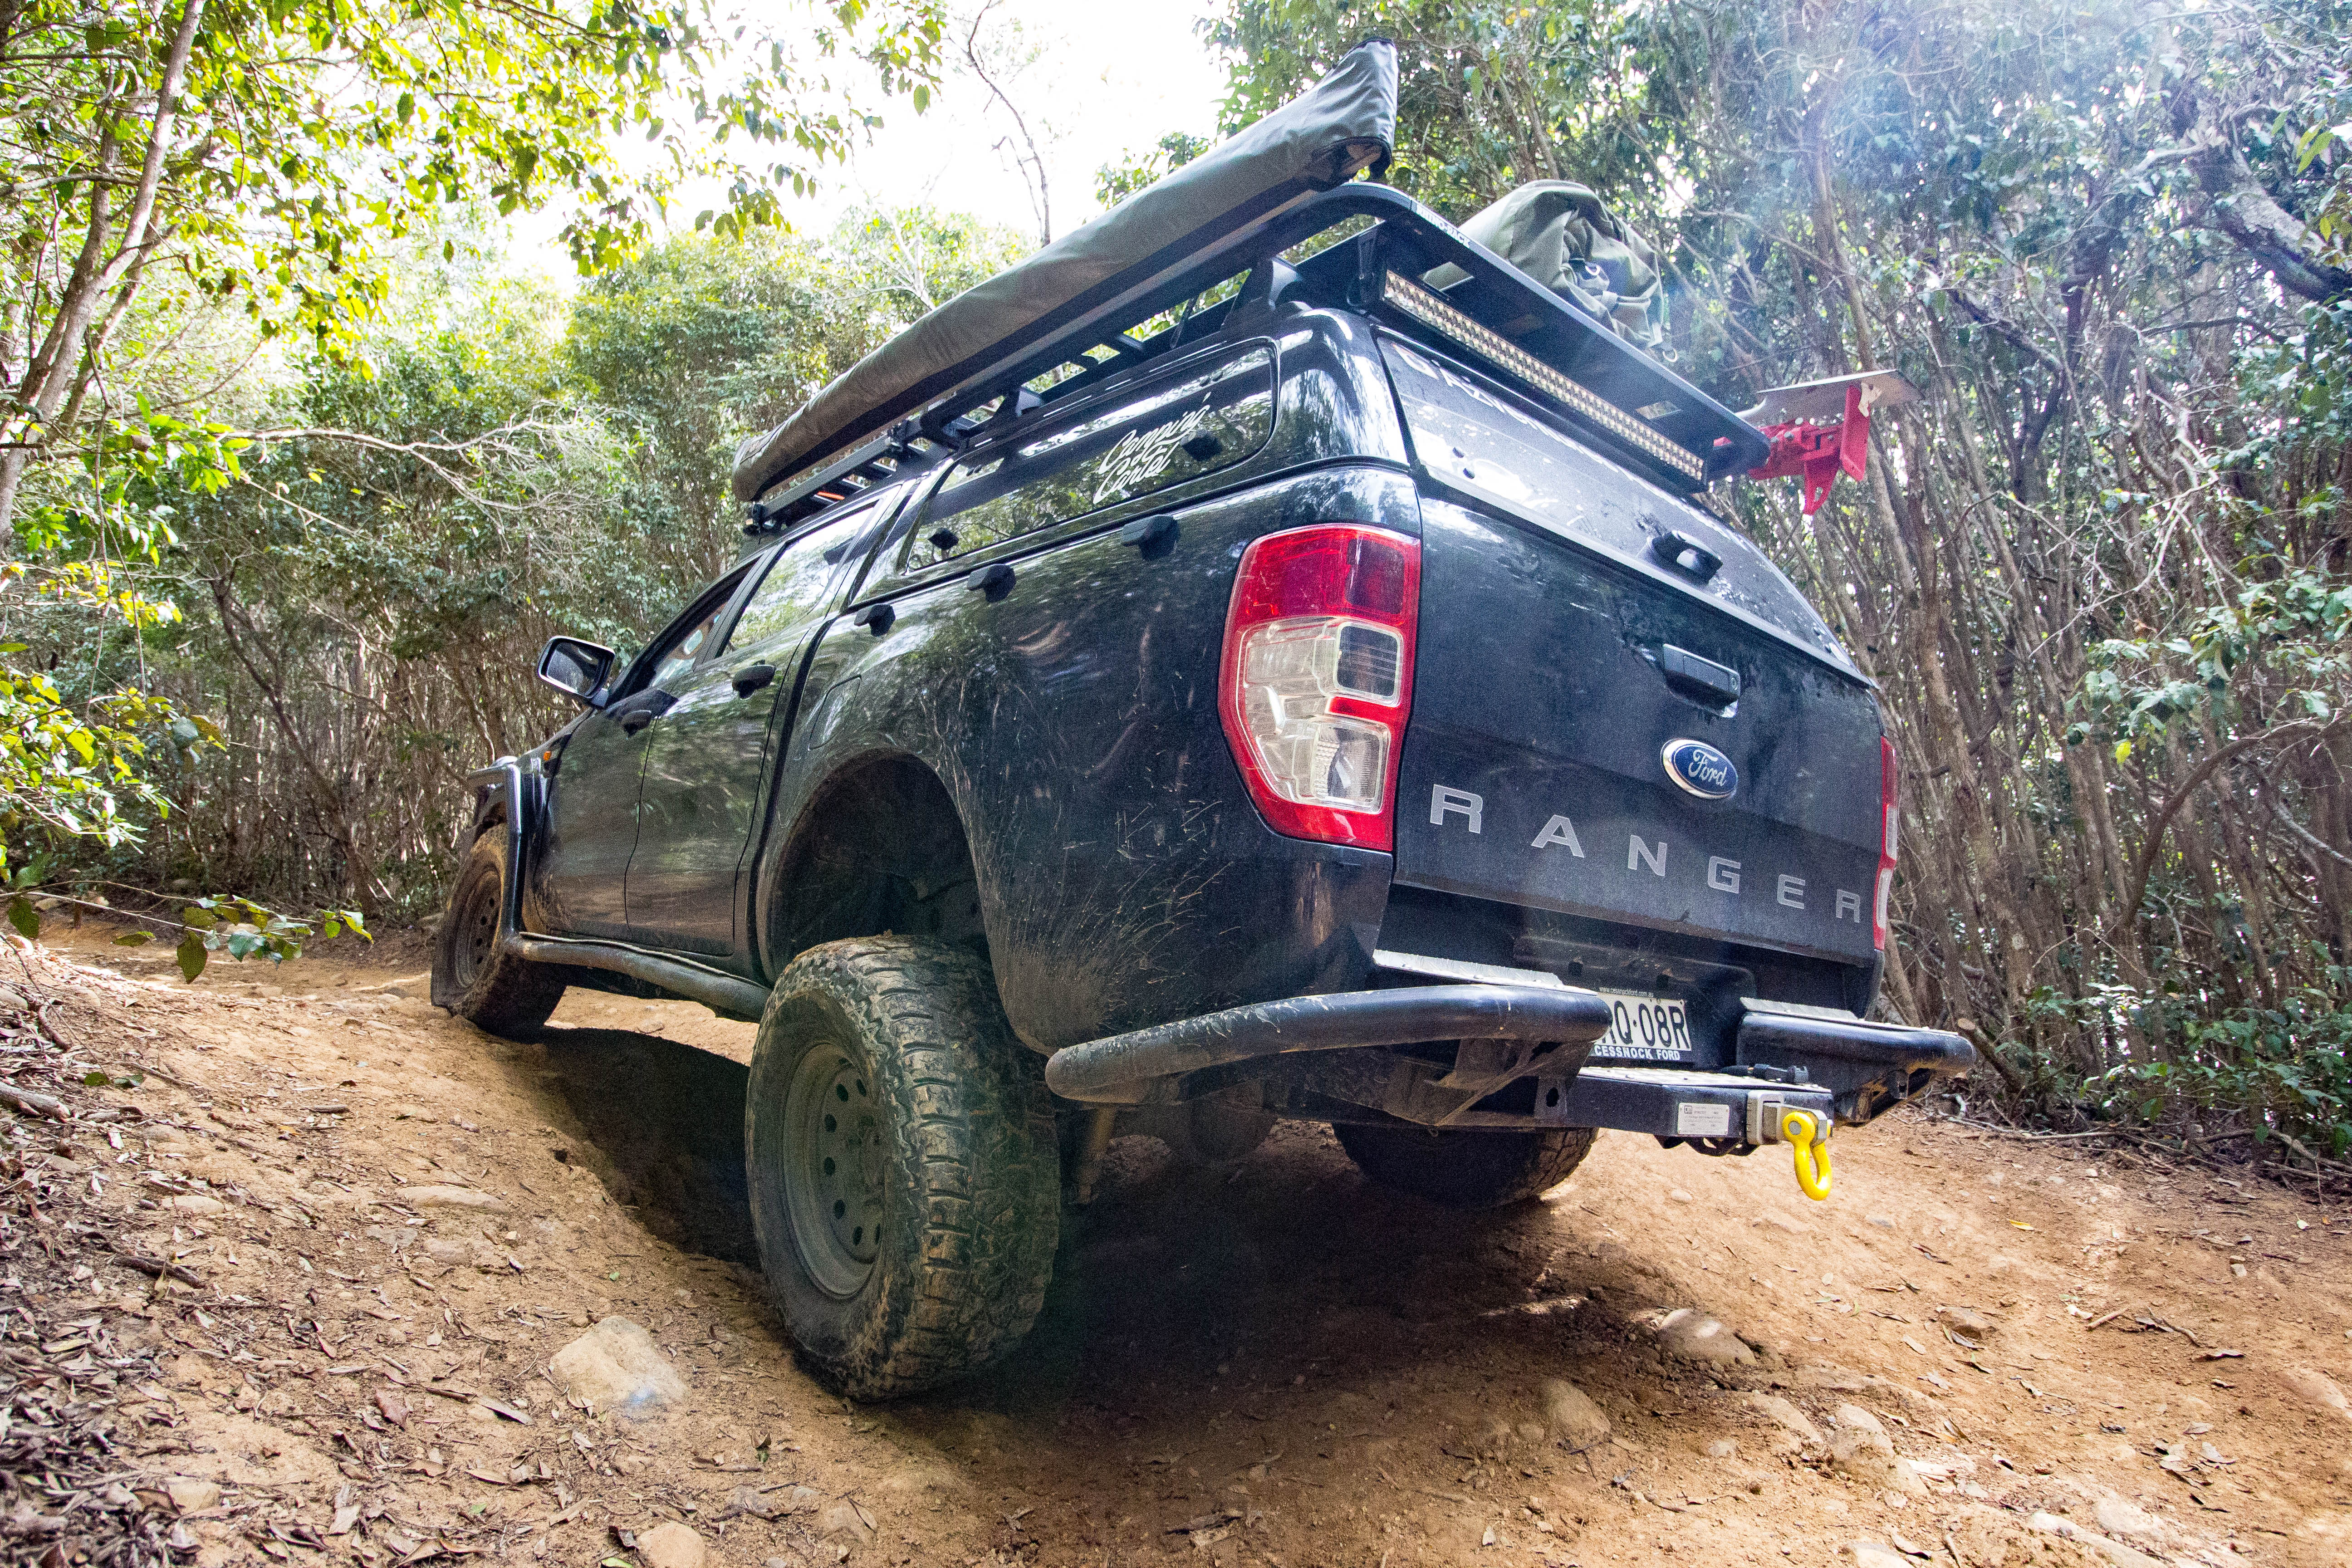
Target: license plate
1645	1029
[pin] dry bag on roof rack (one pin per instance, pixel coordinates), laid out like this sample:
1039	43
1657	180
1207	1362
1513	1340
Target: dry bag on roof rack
1559	234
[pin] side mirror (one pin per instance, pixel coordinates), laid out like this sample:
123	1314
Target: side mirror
576	669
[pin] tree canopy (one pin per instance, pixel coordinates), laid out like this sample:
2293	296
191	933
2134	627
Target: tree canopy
270	154
192	185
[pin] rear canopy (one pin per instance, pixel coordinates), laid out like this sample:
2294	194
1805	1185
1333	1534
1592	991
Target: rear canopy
1343	124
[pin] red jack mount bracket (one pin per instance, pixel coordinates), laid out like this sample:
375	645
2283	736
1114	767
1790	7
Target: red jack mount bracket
1819	428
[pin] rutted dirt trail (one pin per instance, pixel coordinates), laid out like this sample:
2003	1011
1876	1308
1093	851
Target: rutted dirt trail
1981	1352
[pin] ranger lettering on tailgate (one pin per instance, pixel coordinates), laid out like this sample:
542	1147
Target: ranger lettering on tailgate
1650	856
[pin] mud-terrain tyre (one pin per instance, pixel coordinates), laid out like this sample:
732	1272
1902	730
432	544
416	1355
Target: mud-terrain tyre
493	990
905	1177
1466	1168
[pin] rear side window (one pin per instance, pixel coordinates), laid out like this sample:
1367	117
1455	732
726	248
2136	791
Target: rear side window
1146	439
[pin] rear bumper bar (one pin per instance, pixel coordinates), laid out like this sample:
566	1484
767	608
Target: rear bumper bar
1766	1037
1868	1068
1106	1070
1841	1068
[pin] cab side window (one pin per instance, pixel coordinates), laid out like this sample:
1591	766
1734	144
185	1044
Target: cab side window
692	634
1146	439
681	655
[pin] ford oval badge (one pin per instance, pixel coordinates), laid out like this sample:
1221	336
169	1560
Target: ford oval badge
1701	769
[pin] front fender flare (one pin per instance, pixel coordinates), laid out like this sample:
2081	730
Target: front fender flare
501	790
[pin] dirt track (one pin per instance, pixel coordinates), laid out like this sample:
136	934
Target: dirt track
1273	1362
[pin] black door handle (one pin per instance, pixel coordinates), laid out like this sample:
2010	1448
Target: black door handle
634	713
995	579
1699	678
875	618
751	678
1154	536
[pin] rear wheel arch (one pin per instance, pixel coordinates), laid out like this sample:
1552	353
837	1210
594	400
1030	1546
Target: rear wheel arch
880	846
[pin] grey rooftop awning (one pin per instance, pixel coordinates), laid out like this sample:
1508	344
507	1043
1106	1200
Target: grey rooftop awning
1343	124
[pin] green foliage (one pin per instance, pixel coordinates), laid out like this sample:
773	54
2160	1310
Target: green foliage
2288	635
69	772
242	928
362	616
2321	148
164	168
2285	1072
80	770
2278	648
1490	96
236	926
296	138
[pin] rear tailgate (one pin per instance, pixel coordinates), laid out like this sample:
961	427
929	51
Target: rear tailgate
1535	768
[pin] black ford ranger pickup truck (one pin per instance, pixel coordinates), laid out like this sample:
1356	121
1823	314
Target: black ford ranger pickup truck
1258	658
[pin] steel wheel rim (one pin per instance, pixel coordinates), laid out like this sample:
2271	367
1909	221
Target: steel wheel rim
477	931
834	1163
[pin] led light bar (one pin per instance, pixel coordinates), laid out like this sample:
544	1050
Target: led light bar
1431	311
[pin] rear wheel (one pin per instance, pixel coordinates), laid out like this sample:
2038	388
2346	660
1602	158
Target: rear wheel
906	1183
1466	1168
493	989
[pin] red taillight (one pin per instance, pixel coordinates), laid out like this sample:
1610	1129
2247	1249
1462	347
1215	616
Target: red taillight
1890	815
1317	678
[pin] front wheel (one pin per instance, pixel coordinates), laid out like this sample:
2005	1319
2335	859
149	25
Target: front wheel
1466	1168
905	1182
494	991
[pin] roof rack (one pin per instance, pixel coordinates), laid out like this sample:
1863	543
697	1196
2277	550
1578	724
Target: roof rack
876	462
1573	364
